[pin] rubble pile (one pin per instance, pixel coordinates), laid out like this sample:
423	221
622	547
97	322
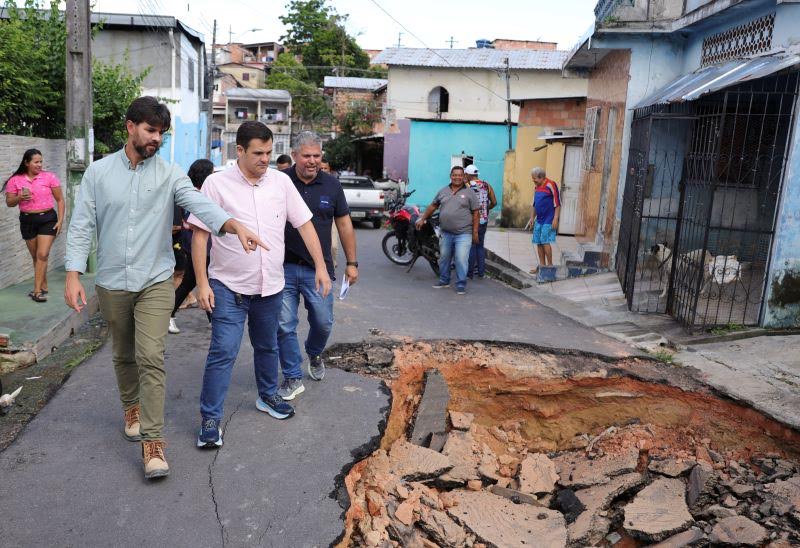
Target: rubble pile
468	495
458	474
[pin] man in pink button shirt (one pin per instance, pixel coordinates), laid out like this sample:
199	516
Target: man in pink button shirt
248	286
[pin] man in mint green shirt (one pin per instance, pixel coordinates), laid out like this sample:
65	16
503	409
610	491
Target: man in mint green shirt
127	199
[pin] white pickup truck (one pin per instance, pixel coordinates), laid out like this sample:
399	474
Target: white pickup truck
366	202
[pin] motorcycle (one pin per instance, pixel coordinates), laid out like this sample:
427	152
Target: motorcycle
404	244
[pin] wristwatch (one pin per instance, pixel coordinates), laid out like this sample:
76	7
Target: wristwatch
352	263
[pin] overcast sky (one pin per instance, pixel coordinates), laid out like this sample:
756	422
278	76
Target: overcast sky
434	22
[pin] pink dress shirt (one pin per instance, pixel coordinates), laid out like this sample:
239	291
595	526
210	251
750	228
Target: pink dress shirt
264	208
41	190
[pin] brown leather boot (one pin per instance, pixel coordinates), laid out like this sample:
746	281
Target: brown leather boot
131	431
155	463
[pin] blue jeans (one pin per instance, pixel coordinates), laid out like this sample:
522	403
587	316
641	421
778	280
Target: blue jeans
227	327
454	245
477	254
300	281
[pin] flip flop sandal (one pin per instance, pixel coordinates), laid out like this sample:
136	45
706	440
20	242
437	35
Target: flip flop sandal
44	292
39	297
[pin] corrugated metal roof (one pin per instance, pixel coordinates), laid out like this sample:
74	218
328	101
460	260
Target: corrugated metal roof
716	77
277	95
485	58
349	82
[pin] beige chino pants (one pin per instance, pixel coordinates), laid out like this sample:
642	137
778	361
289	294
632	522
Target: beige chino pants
138	322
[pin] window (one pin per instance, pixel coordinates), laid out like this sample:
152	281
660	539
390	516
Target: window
742	41
591	137
191	74
240	113
270	115
438	100
246	76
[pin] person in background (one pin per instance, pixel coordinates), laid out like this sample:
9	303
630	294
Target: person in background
459	221
198	172
33	190
477	253
325	167
284	161
544	216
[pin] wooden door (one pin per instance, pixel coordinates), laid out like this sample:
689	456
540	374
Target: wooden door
571	184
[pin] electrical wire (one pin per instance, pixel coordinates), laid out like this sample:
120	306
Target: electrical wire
461	72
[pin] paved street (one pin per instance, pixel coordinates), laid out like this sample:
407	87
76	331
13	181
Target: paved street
70	479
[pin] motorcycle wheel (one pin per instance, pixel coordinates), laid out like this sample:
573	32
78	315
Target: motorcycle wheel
394	251
435	267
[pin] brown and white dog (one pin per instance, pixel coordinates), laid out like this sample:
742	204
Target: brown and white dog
687	264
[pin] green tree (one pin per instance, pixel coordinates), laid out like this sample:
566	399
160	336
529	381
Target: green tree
309	108
303	20
359	118
316	32
32	70
340	152
33	79
114	87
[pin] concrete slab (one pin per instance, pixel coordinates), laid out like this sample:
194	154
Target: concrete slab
763	372
41	326
431	420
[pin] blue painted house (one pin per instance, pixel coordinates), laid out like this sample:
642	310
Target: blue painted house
449	107
693	110
175	56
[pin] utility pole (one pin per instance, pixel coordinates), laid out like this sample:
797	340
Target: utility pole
399	36
212	75
451	42
508	101
80	135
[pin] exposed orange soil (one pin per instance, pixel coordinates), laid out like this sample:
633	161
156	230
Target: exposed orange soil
525	401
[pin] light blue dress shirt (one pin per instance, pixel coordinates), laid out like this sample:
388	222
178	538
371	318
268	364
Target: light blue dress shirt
132	209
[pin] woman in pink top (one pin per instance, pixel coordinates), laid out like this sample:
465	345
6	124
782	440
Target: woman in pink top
33	191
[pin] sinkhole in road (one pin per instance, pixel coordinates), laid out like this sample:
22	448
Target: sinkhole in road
591	450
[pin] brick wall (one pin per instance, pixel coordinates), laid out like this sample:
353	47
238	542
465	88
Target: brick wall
503	43
15	261
553	113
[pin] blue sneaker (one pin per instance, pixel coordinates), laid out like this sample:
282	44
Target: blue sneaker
275	406
210	436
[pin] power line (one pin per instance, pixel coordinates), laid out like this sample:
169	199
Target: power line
436	53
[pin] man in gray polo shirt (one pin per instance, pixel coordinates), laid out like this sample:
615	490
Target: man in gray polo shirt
459	221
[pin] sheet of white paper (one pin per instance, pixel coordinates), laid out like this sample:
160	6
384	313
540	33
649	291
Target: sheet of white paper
345	288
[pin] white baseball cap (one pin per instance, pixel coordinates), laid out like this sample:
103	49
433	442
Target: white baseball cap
471	169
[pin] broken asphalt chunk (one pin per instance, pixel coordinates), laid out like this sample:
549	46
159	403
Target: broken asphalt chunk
431	418
497	521
658	511
415	463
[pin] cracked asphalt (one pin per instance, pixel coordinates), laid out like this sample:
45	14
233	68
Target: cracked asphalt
71	479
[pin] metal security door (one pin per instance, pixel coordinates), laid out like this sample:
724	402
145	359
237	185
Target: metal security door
656	165
734	173
636	175
571	185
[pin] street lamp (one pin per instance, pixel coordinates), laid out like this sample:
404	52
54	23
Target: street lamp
230	33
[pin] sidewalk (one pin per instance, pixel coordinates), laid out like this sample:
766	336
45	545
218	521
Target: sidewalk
753	366
38	327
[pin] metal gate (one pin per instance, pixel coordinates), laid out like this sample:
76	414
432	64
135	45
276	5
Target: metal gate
700	201
651	208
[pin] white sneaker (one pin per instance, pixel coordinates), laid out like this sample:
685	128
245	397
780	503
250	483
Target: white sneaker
173	327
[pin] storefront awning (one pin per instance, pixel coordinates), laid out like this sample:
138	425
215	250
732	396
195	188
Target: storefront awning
714	78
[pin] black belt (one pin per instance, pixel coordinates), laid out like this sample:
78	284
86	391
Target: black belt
38	212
